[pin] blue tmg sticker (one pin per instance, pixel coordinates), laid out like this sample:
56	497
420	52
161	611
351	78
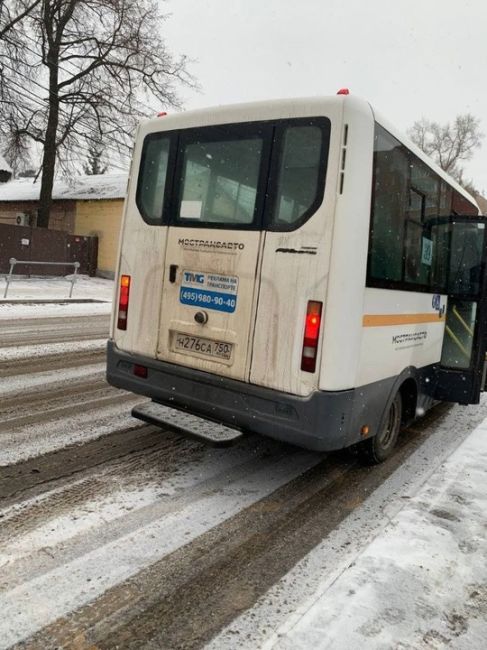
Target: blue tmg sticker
209	290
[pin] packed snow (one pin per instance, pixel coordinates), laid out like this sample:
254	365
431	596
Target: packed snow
33	604
421	583
92	187
51	349
55	289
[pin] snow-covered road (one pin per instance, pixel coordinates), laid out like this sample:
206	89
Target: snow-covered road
116	534
83	485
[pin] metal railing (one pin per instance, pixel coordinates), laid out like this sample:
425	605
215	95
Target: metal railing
13	262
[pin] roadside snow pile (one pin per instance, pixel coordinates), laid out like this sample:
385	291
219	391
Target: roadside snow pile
422	583
85	288
50	349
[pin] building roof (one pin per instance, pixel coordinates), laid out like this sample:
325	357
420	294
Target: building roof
4	166
482	201
82	188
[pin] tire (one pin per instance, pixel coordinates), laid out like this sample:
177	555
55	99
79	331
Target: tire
378	449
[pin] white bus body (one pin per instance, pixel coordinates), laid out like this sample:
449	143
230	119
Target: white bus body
263	295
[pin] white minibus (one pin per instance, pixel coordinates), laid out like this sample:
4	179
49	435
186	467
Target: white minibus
297	269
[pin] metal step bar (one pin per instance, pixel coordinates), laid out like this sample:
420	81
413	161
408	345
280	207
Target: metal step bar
189	425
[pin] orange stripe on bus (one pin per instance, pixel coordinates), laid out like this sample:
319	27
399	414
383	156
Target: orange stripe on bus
383	320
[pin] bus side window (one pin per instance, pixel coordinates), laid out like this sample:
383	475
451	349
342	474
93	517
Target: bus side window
389	206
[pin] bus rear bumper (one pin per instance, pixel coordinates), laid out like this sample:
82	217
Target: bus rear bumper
320	421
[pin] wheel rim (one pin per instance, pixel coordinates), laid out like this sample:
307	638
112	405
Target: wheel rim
390	428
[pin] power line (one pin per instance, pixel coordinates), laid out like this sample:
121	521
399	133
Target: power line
62	110
80	69
40	101
50	92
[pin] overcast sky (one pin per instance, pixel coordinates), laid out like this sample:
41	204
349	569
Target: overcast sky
409	58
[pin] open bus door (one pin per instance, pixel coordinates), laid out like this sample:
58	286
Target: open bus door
460	245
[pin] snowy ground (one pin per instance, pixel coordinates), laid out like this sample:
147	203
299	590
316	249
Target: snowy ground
30	289
111	528
420	583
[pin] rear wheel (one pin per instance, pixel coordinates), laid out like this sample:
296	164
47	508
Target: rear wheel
377	449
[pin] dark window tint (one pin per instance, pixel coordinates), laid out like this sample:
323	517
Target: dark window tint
424	197
408	200
242	176
390	203
152	178
219	181
458	256
299	171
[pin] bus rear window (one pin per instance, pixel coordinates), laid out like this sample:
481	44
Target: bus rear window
252	175
298	183
219	181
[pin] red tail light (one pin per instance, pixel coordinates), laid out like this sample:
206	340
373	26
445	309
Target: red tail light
311	336
140	371
123	302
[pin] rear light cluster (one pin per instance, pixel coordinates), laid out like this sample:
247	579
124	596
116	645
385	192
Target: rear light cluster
311	336
123	302
140	371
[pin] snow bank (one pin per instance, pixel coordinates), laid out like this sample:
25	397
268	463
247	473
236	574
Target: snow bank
422	582
55	289
92	187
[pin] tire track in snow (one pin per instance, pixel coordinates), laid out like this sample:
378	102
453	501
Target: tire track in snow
51	322
52	330
55	394
41	437
30	606
228	567
57	378
44	404
38	359
124	537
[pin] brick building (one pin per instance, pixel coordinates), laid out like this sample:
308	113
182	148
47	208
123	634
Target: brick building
86	205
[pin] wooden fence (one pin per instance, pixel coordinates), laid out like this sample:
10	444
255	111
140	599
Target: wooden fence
44	245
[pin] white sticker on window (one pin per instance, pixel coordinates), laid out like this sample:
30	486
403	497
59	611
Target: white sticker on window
191	209
427	252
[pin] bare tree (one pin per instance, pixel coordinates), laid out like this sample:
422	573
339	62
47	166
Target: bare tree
95	161
12	13
79	77
448	144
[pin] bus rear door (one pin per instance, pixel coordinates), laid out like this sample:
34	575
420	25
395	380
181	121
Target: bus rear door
213	249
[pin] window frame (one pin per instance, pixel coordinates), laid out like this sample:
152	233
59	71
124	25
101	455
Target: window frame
150	137
324	124
222	133
267	185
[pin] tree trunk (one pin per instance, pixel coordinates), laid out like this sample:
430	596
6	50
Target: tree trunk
50	146
48	167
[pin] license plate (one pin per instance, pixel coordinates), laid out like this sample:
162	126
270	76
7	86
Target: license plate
199	345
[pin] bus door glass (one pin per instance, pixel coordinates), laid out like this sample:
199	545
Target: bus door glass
459	268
